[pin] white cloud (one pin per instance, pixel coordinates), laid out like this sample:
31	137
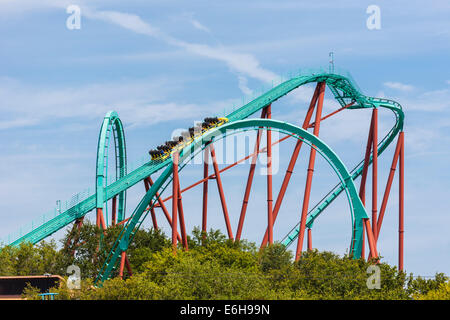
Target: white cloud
199	26
138	103
243	86
241	62
399	86
128	21
432	101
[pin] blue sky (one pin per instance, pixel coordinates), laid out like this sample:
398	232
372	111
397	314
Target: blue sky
164	64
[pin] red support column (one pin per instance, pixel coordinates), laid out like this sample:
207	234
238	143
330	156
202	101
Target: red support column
371	239
205	189
175	191
389	184
249	181
114	211
163	207
401	208
292	162
122	263
312	158
309	239
153	214
152	208
374	172
222	196
100	219
128	265
269	179
181	216
76	227
362	186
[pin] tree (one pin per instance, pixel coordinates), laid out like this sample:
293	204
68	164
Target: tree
441	293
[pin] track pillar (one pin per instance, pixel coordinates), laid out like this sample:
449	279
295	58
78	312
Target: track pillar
248	187
309	239
374	173
292	162
401	208
312	158
362	187
269	178
152	210
181	216
221	193
175	190
205	190
114	211
100	219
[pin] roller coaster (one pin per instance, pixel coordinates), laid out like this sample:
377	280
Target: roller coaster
170	158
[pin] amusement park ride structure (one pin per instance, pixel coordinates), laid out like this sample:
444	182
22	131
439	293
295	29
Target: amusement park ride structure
169	159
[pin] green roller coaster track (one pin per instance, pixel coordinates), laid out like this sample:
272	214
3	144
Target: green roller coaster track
356	207
344	91
111	123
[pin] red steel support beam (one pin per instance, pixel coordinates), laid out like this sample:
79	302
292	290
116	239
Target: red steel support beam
100	219
222	196
362	186
175	185
152	208
205	189
332	113
114	211
213	176
292	162
153	214
312	158
128	265
309	239
122	263
181	216
374	172
269	178
389	184
76	227
163	207
249	181
401	227
371	239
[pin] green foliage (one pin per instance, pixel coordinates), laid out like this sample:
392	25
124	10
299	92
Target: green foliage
275	257
213	268
92	247
31	293
27	259
421	286
325	275
440	293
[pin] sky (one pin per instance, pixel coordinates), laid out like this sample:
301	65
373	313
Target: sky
164	64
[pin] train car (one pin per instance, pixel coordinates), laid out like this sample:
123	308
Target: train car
162	152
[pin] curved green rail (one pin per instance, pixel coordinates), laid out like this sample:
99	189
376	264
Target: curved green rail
356	207
111	124
344	90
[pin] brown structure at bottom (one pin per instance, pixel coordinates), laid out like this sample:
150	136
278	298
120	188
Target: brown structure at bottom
12	287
